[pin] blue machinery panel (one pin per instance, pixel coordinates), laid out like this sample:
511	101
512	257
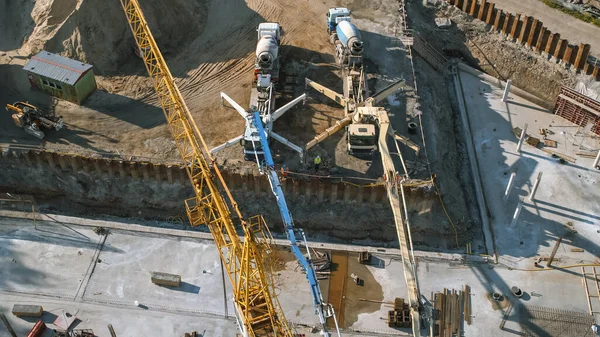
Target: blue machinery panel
287	220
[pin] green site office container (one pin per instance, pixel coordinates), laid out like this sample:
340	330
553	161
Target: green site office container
61	77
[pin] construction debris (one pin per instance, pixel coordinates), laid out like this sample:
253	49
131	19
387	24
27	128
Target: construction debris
37	330
364	257
64	320
399	317
82	333
449	307
443	22
321	260
533	141
357	279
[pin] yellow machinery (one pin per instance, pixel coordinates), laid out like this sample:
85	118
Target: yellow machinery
246	260
33	120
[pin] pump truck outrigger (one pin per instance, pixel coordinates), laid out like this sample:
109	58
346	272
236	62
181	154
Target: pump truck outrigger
262	96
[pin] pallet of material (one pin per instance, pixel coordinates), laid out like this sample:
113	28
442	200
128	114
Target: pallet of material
549	143
26	310
165	279
448	313
533	141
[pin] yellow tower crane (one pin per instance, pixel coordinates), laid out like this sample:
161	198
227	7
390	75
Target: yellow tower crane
246	259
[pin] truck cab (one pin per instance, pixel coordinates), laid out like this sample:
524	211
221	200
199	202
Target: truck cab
334	16
269	29
361	139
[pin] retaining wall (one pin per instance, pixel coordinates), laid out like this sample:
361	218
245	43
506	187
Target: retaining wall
340	211
321	190
530	32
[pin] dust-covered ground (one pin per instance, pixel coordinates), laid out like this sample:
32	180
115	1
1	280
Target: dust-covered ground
213	52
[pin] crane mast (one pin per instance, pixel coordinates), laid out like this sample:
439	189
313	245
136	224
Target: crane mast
258	312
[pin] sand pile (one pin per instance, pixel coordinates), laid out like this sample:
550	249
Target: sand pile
96	31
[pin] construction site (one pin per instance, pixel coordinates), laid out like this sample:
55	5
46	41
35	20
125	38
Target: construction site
299	168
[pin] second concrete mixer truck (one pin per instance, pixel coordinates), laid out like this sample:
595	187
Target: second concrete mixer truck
345	36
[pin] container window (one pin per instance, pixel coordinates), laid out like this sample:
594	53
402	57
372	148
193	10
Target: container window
59	87
45	82
52	85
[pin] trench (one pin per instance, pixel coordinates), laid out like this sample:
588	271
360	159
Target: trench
332	211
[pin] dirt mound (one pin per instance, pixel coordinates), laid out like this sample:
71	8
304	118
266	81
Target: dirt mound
15	24
97	31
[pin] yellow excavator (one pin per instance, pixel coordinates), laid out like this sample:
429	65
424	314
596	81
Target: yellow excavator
33	120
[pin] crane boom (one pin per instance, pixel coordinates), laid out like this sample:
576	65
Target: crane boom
396	197
257	309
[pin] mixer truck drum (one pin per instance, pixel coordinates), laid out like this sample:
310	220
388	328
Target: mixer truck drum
265	61
357	47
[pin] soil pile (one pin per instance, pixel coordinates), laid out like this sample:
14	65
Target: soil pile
96	32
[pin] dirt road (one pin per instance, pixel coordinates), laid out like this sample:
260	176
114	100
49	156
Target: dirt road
570	28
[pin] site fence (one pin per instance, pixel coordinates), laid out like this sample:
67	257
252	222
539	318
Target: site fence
531	32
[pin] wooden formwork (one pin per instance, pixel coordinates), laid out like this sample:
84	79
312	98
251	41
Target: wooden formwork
578	109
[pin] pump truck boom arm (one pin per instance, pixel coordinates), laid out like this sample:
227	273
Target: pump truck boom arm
257	309
322	309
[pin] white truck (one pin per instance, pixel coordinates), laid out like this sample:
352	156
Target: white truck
262	96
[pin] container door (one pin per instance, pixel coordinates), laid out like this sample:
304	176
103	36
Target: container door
32	81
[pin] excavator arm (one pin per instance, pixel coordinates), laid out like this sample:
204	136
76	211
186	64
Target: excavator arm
257	309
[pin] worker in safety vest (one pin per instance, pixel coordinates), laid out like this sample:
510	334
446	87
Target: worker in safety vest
317	163
284	171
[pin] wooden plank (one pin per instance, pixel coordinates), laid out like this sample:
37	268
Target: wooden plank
554	250
549	143
450	306
587	292
468	305
447	309
440	318
459	311
596	281
454	313
563	156
587	154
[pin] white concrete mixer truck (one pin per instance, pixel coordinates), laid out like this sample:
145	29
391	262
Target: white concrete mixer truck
345	36
262	96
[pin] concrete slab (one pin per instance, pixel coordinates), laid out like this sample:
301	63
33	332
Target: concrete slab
125	321
123	275
568	193
51	260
